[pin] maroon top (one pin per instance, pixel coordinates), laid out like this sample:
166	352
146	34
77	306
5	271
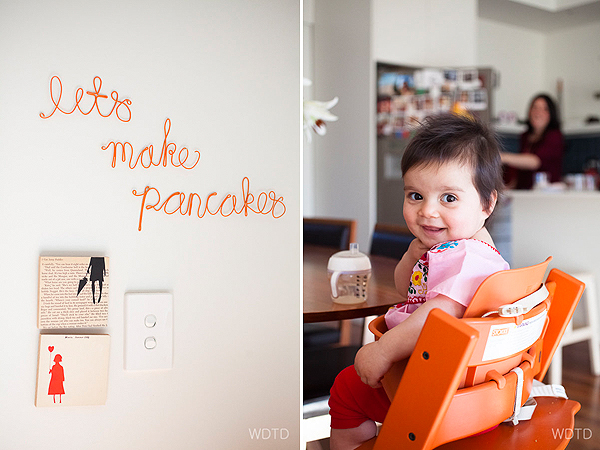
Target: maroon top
550	150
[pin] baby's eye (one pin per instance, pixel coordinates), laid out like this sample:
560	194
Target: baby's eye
448	198
415	196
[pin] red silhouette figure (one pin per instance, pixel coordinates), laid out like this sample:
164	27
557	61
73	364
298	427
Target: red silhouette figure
56	380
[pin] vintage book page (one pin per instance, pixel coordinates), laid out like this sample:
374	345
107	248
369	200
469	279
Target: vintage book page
73	292
72	370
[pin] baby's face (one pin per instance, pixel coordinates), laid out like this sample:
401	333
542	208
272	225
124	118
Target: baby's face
441	203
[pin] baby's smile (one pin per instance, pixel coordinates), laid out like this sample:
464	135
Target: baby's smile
441	203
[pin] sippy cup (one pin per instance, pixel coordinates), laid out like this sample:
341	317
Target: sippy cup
349	272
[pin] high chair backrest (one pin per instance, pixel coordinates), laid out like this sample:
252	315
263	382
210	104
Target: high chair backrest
502	356
506	286
504	342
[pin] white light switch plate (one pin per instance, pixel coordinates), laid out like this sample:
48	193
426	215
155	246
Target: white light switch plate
148	331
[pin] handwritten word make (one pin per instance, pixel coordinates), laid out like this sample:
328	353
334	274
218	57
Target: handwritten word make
119	107
146	156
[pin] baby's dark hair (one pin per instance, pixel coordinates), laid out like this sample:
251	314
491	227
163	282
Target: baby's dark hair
452	137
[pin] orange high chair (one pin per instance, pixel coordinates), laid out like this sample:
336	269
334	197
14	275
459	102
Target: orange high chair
468	375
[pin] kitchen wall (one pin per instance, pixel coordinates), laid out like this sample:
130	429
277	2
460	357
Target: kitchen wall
227	76
530	62
425	33
574	56
343	158
519	56
308	145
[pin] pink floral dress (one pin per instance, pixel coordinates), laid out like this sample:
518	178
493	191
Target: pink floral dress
454	269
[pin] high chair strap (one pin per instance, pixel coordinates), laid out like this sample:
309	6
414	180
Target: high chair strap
518	395
547	390
537	390
522	306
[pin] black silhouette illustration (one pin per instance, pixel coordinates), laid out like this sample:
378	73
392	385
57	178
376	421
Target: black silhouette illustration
82	283
97	270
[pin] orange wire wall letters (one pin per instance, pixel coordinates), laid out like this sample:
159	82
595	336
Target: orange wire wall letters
266	203
167	149
123	116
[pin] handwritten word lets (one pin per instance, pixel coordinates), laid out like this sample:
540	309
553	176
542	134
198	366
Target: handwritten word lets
146	156
265	203
119	107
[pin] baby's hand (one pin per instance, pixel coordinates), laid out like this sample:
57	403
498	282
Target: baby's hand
371	364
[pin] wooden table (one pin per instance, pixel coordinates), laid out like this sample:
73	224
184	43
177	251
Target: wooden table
318	306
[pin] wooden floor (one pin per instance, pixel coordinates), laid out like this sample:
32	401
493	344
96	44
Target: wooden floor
583	387
580	385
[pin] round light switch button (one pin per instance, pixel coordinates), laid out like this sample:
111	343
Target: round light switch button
150	320
150	343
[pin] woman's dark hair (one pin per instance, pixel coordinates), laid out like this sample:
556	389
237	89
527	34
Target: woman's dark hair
451	137
554	123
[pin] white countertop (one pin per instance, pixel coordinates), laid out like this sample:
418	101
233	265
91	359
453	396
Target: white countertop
552	194
569	128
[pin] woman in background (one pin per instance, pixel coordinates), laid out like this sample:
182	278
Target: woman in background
542	146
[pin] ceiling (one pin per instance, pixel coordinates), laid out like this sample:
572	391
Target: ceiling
544	18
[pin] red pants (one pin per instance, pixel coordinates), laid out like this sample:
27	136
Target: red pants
353	402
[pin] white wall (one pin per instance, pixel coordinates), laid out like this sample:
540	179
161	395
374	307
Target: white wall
227	75
574	56
531	62
344	169
425	33
518	55
308	149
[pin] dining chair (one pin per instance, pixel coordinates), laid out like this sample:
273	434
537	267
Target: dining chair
390	240
329	232
337	234
468	375
327	346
